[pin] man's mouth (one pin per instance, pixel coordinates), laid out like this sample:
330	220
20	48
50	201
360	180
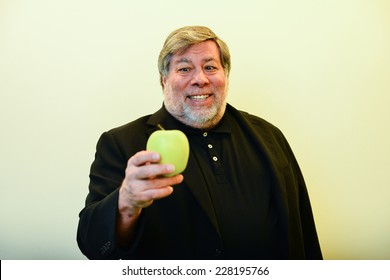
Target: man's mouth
199	97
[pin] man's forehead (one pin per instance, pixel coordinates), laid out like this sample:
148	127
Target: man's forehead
205	51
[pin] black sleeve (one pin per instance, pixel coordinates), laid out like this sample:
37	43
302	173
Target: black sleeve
312	249
97	224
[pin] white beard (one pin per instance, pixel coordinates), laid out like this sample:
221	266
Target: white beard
201	119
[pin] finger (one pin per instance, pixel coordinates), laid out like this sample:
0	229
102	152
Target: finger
145	197
146	191
160	182
154	194
142	157
151	171
142	187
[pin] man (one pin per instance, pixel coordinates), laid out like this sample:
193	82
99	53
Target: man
242	195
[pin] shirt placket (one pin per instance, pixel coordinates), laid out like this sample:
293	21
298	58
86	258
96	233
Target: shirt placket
211	141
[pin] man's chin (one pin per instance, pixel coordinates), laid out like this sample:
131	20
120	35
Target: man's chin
202	120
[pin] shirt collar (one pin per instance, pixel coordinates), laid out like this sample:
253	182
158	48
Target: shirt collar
167	121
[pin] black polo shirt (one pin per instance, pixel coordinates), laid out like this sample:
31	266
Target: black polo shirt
239	186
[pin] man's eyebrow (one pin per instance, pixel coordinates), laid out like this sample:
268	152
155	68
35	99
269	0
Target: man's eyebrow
186	60
209	59
182	60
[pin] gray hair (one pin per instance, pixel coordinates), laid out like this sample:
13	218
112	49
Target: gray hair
183	38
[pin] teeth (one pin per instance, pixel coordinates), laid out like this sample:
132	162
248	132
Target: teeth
199	97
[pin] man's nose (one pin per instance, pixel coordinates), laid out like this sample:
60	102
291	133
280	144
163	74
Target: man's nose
199	78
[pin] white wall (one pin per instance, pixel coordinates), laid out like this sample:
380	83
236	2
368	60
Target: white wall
69	70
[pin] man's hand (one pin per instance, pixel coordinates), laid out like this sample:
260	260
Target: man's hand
142	185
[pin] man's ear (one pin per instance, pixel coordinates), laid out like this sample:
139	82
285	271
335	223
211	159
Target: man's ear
163	81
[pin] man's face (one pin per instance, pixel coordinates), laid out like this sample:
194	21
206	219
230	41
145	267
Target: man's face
195	88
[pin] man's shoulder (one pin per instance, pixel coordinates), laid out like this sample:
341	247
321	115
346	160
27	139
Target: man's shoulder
253	120
135	125
128	138
261	129
145	123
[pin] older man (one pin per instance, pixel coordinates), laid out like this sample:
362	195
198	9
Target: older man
242	195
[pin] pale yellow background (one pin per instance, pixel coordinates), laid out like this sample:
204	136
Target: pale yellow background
69	70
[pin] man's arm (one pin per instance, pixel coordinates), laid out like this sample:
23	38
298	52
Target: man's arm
114	204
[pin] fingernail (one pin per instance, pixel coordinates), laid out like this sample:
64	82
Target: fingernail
155	156
170	167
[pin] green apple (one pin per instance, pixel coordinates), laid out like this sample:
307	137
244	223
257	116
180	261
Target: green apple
173	147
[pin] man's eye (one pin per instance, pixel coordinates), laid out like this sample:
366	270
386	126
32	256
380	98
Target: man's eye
210	68
184	69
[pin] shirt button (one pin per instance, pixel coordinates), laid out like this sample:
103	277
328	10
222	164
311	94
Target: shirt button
204	134
210	146
215	159
217	252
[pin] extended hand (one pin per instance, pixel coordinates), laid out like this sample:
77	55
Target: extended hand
142	185
143	182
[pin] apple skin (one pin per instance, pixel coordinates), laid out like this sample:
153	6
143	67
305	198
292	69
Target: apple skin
173	147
